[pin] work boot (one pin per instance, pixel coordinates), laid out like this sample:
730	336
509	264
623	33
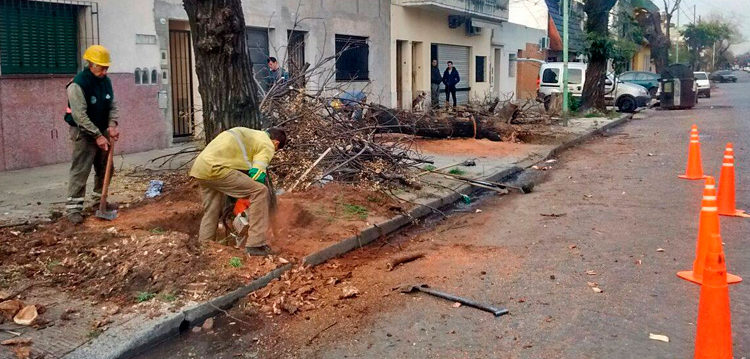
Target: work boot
261	251
75	217
111	206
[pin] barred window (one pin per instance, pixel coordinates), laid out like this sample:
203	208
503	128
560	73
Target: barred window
352	57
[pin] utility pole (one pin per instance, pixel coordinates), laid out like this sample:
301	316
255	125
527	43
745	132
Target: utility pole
566	8
693	14
677	41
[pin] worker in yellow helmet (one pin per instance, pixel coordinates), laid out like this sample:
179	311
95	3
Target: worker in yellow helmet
92	116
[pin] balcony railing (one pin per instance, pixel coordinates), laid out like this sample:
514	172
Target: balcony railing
490	9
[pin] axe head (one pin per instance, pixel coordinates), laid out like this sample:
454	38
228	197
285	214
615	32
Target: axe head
107	215
408	288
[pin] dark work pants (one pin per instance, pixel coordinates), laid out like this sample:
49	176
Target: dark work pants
450	90
85	155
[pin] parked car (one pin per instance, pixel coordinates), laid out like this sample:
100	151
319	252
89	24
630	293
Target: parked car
649	80
703	84
723	76
627	97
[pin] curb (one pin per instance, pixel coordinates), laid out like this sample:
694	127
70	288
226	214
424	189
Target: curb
124	343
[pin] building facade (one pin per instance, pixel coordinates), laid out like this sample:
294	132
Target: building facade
41	45
446	30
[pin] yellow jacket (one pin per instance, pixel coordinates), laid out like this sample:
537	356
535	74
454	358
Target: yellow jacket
223	154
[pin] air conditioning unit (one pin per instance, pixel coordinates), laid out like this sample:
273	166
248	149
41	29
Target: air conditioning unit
544	43
472	30
454	21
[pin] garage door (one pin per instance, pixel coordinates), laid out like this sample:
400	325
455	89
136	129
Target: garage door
257	45
460	57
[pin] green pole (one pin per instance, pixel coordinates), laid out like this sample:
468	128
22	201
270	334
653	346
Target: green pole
566	8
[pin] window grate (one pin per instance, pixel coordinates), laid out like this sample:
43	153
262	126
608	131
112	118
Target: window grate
46	37
352	57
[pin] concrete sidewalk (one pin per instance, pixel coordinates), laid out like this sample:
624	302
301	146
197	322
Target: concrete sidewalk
34	194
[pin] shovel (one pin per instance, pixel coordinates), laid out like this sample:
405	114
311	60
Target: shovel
102	212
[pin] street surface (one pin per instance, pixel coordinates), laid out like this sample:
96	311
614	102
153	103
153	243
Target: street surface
607	208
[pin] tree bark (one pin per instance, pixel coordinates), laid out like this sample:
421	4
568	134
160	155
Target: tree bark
597	27
659	43
443	125
222	63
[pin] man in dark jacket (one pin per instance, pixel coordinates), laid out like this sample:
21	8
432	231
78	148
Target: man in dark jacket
450	79
435	81
92	116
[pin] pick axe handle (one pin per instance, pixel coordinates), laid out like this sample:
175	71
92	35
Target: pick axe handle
487	308
107	177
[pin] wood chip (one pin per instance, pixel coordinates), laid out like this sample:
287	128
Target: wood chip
590	272
660	249
596	290
401	259
456	305
659	337
17	341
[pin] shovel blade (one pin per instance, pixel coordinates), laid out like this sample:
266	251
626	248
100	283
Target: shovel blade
107	215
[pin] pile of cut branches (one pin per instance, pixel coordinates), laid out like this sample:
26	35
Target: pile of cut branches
328	142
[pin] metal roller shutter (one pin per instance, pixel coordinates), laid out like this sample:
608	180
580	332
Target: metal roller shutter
461	61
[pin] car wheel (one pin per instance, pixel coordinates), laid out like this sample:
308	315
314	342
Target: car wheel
734	80
547	101
652	91
627	104
708	94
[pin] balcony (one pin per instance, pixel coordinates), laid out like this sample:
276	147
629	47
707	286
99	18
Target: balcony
495	10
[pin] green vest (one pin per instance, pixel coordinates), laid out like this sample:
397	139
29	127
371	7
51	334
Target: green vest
99	97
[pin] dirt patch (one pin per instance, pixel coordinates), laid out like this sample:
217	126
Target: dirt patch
149	250
484	148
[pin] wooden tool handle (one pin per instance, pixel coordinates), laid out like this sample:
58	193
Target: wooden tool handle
107	176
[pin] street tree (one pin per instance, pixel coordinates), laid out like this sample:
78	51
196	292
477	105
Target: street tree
670	7
225	73
600	46
650	23
708	42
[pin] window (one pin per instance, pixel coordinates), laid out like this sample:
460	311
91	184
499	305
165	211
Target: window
575	76
38	38
353	54
628	76
137	74
144	76
481	60
550	76
511	65
154	77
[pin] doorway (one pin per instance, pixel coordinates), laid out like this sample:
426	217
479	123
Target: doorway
181	67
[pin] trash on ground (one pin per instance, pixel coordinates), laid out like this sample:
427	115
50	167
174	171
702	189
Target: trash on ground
659	337
154	188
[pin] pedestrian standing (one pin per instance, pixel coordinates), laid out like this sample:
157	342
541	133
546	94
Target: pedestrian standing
277	74
435	80
450	79
92	116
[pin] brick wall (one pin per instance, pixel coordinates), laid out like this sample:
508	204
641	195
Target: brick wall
33	132
527	71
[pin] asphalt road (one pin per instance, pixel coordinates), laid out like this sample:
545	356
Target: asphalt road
615	201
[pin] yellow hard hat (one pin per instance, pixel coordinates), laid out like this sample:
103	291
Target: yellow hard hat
97	54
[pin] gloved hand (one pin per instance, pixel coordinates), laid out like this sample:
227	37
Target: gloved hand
257	175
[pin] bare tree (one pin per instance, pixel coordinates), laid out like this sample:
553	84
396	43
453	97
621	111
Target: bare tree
670	8
223	66
658	41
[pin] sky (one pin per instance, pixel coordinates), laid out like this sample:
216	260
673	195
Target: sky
728	8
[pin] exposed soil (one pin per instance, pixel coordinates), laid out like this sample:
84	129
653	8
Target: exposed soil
291	315
150	247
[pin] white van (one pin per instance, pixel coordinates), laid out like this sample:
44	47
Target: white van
627	97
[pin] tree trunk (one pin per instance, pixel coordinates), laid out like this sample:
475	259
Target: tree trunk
597	27
659	43
222	63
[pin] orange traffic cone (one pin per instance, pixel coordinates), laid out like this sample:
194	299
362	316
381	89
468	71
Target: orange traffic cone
708	225
694	167
726	186
713	336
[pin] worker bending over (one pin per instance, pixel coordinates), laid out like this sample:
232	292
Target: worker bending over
234	164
